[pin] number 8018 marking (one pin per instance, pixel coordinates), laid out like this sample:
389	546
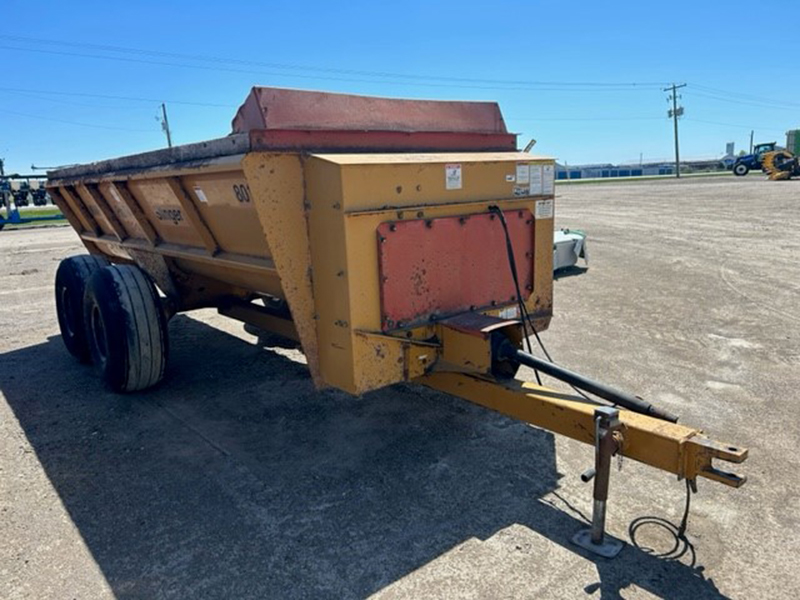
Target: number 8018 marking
242	192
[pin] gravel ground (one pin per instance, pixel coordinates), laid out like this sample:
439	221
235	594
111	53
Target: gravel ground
235	479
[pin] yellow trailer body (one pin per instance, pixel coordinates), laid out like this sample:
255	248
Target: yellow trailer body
302	228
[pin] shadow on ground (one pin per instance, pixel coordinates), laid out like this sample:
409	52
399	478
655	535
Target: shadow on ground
236	479
569	272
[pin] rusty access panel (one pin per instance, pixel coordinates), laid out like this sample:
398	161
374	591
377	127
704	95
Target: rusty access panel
434	268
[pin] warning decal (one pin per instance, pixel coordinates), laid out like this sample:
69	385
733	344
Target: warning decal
544	209
523	173
452	177
548	177
536	180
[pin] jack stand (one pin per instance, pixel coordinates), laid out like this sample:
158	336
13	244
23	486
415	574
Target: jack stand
606	425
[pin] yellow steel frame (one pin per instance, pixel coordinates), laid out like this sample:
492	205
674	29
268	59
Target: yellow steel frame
671	447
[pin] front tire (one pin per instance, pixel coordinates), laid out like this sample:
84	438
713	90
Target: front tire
71	278
740	169
126	328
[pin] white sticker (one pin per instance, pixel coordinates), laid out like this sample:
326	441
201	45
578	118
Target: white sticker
547	180
200	194
452	177
523	173
510	178
544	209
510	312
536	180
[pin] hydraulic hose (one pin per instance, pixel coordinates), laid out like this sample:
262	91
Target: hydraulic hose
633	403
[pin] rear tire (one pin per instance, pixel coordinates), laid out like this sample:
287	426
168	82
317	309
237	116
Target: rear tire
740	169
126	328
71	278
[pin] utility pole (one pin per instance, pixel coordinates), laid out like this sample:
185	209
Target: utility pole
165	124
751	141
3	194
675	112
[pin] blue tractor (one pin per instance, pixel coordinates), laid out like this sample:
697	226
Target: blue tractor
744	164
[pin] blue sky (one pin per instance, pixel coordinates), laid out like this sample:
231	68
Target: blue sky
534	58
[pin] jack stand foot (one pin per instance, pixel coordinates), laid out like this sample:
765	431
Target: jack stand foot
607	443
608	548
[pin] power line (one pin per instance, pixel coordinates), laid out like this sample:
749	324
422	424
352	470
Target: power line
113	97
751	127
328	78
76	123
298	67
775	106
584	119
65	102
740	95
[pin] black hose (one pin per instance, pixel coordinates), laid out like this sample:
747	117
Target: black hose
633	403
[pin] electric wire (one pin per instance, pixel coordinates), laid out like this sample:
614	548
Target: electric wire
524	315
681	544
299	67
205	67
746	97
512	263
77	123
729	124
116	97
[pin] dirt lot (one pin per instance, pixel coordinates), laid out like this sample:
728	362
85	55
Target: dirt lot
235	479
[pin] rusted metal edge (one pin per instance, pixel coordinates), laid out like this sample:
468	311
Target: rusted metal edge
159	171
477	324
513	202
171	157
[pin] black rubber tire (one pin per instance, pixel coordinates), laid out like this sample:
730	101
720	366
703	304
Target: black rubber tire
71	278
126	328
740	169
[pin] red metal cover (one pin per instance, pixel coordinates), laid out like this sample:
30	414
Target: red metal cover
279	108
434	268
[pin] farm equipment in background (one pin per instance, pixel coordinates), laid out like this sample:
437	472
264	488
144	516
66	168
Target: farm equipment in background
39	193
13	216
5	192
20	188
395	240
781	165
17	191
750	162
24	189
